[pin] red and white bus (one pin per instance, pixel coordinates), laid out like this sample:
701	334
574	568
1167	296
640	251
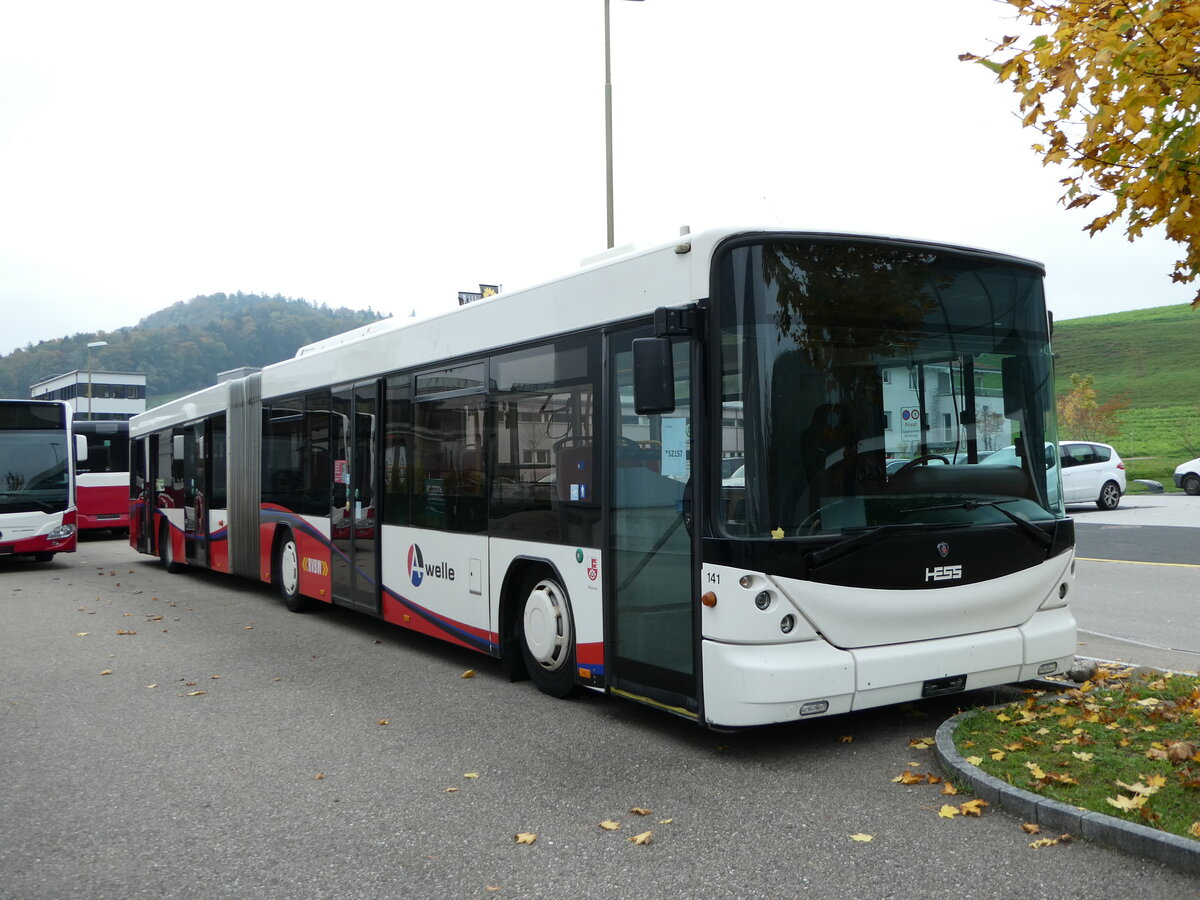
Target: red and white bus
102	479
37	478
538	476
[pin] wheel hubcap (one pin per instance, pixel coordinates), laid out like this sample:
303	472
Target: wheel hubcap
289	571
547	625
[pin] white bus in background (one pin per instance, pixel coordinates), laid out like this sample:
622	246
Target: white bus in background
538	476
38	516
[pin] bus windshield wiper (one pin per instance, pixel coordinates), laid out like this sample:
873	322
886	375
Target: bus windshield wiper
826	555
1028	527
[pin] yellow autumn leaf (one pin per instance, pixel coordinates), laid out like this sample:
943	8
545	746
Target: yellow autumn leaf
197	693
470	775
1002	717
643	838
83	634
1085	757
908	777
320	776
1142	790
921	743
1043	842
846	738
526	837
470	673
106	672
862	838
1126	804
973	807
665	821
948	812
996	755
1031	828
610	825
384	722
451	790
1035	770
949	789
974	760
640	811
1194	831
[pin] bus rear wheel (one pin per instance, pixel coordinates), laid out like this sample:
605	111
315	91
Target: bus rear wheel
547	637
287	574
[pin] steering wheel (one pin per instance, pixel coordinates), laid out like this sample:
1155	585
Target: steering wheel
920	460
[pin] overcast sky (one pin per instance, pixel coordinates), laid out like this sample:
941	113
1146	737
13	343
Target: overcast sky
391	154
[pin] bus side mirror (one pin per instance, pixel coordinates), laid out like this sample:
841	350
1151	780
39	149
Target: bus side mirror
80	448
653	376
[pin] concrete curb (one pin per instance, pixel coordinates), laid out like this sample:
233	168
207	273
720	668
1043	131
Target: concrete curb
1177	852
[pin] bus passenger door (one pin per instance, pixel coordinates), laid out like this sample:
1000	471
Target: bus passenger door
651	622
195	497
144	452
352	516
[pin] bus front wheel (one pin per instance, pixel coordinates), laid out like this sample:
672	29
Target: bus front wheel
287	574
547	636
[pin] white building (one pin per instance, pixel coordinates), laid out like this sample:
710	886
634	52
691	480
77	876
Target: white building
100	395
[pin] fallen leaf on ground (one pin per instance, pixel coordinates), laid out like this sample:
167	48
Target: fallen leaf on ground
948	812
639	811
973	807
526	837
610	825
862	838
1031	828
643	838
470	673
106	672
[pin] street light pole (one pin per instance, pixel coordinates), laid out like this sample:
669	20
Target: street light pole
90	345
608	150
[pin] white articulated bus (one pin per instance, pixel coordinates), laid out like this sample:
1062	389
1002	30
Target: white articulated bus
37	478
547	476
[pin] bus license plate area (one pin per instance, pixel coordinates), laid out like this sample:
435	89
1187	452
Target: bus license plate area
937	687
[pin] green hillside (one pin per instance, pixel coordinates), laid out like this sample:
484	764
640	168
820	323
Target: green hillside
1150	357
183	347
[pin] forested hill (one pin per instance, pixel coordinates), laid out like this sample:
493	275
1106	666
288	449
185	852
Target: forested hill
183	347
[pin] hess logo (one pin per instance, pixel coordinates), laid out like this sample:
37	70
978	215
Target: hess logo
418	571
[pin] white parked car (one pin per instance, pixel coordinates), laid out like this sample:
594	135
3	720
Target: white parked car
1091	472
1187	476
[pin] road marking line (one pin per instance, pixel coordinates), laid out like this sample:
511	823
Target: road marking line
1135	562
1127	640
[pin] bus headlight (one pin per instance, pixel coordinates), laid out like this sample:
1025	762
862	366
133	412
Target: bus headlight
61	533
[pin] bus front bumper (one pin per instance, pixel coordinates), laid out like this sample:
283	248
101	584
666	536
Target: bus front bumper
758	684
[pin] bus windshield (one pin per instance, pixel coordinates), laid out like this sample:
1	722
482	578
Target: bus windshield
863	381
33	470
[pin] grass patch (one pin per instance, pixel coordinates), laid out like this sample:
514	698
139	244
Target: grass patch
1124	744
